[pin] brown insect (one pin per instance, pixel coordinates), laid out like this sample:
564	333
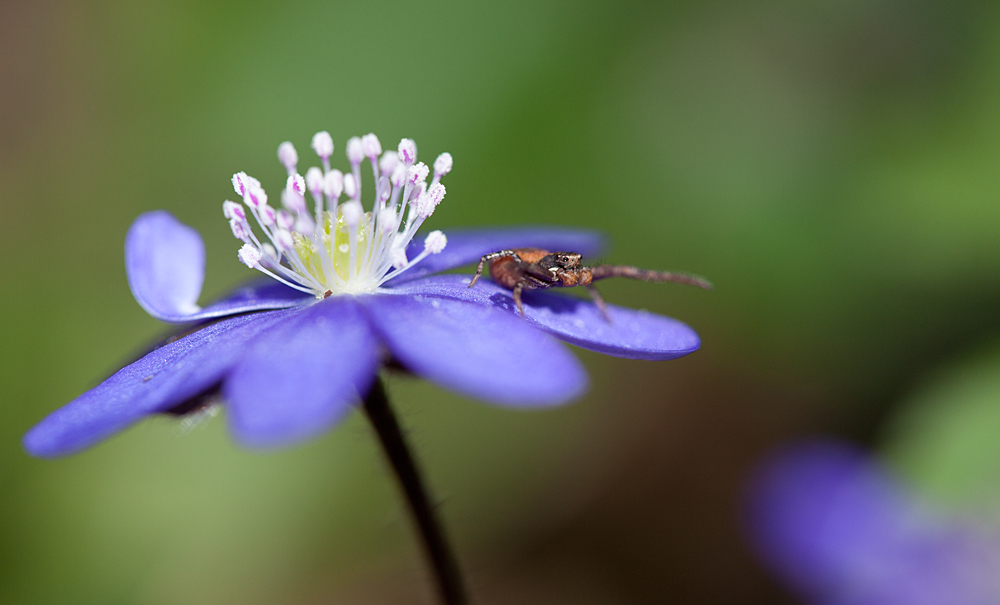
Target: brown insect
537	269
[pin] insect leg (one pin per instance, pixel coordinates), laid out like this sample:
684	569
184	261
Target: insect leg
517	297
485	259
606	271
599	301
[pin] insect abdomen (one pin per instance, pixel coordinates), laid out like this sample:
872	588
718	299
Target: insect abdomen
504	271
531	255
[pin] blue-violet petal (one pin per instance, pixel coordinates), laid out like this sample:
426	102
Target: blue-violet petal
159	381
259	295
476	350
301	377
165	265
630	333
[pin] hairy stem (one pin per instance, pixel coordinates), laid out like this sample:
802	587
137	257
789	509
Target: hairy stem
380	414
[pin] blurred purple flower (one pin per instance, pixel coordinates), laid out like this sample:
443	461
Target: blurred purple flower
291	358
840	529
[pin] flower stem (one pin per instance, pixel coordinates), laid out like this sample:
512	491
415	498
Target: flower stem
380	414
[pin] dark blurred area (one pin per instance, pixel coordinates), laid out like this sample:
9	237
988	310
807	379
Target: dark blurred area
831	166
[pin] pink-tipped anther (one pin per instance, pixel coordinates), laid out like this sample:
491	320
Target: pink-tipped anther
241	230
288	157
267	214
442	165
286	220
233	210
417	173
436	193
296	183
256	197
435	242
424	206
283	239
407	151
239	184
249	256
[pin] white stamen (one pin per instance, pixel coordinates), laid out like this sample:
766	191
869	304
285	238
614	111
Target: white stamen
284	241
352	217
322	144
288	157
387	164
293	201
304	225
286	220
350	186
334	184
398	258
352	211
239	185
436	193
233	210
316	184
398	175
296	183
241	230
371	146
314	181
384	189
340	249
435	242
355	151
442	165
418	191
267	215
424	206
407	151
418	172
256	197
249	256
388	219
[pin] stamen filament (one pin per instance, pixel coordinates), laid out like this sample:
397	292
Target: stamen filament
287	283
313	253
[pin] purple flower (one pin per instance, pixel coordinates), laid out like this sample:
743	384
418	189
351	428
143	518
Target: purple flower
840	529
350	290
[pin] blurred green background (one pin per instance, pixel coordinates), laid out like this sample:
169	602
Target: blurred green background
834	168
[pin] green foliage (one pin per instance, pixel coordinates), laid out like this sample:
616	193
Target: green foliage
945	437
830	166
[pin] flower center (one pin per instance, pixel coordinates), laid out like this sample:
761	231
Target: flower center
338	247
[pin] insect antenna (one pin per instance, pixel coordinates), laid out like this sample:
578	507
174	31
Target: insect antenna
606	271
